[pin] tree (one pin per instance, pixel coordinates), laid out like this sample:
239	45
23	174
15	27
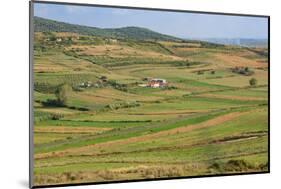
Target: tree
62	93
200	72
53	38
103	78
253	82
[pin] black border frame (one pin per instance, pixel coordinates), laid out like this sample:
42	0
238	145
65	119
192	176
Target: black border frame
31	34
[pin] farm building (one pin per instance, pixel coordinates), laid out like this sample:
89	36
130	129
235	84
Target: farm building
85	84
155	83
58	39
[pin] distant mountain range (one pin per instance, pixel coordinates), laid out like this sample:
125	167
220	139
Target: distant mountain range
238	41
137	33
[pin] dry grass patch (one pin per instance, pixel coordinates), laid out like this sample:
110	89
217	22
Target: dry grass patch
65	129
229	60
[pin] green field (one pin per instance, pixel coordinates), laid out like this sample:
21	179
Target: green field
94	120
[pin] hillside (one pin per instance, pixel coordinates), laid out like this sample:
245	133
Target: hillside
263	43
99	116
137	33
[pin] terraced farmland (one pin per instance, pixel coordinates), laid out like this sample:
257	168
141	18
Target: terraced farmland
96	121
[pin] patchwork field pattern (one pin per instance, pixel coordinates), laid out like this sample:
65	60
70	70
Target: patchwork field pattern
95	120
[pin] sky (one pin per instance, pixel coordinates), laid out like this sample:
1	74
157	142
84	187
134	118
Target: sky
179	24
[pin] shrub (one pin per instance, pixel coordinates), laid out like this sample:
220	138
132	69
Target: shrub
216	166
52	38
200	72
123	105
115	85
106	174
232	166
243	71
171	87
104	78
237	165
78	108
41	116
56	116
253	82
51	103
157	172
70	176
264	166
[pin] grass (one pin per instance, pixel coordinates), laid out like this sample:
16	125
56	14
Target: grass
125	133
181	130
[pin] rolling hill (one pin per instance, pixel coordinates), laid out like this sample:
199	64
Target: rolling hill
137	33
98	118
263	43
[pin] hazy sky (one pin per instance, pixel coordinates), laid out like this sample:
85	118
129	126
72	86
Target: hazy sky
184	25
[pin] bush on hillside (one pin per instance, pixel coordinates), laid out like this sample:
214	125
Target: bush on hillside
253	82
243	71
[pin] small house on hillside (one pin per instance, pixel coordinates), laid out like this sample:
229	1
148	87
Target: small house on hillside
85	84
156	83
58	39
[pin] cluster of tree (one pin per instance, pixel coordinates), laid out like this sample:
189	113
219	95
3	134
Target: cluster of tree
118	86
49	35
127	104
45	87
210	45
243	71
40	47
200	72
187	63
